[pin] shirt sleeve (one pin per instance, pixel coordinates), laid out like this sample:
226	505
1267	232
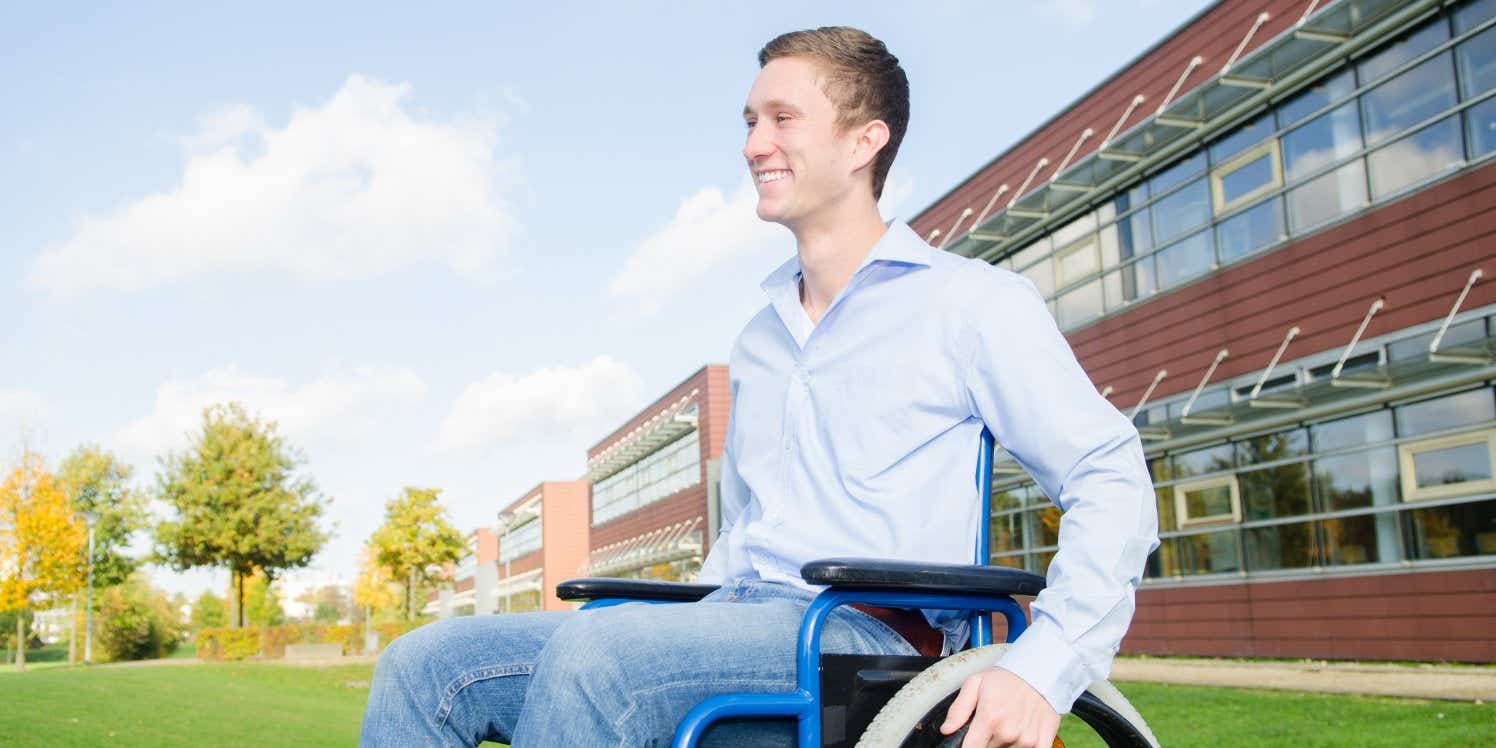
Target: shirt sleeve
1023	381
734	495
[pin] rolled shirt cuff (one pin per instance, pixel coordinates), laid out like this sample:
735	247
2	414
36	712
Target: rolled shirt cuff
1045	661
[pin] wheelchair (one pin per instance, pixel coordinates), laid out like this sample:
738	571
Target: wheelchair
876	701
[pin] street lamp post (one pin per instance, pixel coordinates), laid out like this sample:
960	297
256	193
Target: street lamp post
90	518
506	520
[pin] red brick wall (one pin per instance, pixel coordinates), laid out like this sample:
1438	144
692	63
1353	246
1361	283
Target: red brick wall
564	536
1435	615
683	506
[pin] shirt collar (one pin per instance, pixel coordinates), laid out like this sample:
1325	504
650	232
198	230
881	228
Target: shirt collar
899	244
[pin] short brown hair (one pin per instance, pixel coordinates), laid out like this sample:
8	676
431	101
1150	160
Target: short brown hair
862	79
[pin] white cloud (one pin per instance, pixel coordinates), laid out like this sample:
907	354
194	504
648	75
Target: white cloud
330	409
1076	12
708	229
545	406
360	184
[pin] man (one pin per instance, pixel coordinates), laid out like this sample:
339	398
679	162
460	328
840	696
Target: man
859	394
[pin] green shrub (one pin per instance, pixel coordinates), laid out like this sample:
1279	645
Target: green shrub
227	644
137	622
270	641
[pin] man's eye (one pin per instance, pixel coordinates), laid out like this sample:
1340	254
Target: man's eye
782	117
749	123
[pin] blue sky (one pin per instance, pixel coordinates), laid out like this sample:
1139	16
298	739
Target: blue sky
451	246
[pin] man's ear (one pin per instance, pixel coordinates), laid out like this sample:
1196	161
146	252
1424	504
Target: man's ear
871	138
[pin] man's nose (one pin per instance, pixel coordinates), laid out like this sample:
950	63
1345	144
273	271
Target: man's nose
758	145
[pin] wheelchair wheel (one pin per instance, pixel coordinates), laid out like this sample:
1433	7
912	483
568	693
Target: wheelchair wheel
913	716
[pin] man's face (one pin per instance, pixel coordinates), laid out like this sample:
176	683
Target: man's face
798	160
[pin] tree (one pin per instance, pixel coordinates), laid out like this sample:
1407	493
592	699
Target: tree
415	539
238	501
375	590
41	543
97	481
328	603
208	611
262	602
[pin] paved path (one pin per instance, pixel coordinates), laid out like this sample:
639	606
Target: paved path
1415	681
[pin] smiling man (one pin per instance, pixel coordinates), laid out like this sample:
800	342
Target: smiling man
859	394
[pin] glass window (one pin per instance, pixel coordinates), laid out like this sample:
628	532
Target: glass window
520	541
1130	283
1473	13
1207	502
1076	262
1448	466
672	468
1250	230
1281	491
1006	499
1452	411
1073	230
1081	305
1425	153
1188	259
1357	480
1395	54
1364	539
1208	553
1370	427
1031	254
1044	527
1164	497
1284	445
1480	123
1243	180
1452	531
1416	347
1316	97
1007	533
1408	99
1280	546
1203	461
1177	174
1129	237
1476	58
1042	276
1241	139
1322	141
1180	212
1327	197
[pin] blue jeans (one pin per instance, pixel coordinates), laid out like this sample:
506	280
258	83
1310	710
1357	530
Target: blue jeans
618	676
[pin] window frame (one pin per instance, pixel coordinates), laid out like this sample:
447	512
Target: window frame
1181	506
1089	243
1268	147
1408	477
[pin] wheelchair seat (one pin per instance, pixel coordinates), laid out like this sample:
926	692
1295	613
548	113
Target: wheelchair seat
921	576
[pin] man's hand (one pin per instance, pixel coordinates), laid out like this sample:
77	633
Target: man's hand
1008	712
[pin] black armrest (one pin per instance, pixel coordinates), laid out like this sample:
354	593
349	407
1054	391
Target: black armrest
921	576
593	588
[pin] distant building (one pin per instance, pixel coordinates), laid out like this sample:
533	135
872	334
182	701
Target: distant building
1272	239
654	507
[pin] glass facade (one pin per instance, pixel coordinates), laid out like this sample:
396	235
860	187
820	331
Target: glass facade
1406	482
665	472
1413	110
520	541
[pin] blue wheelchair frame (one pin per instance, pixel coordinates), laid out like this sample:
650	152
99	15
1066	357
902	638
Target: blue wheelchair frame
804	703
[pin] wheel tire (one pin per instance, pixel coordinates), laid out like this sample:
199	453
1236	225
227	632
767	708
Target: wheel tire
913	716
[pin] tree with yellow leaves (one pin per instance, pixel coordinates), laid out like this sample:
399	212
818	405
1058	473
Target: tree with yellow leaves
374	590
41	543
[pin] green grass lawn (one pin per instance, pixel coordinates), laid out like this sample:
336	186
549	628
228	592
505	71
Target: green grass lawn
196	705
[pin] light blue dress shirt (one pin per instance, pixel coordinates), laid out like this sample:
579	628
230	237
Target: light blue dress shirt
857	436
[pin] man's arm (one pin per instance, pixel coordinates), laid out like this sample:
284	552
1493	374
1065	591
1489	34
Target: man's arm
1023	381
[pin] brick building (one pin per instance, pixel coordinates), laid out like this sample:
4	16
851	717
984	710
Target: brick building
1270	238
654	483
